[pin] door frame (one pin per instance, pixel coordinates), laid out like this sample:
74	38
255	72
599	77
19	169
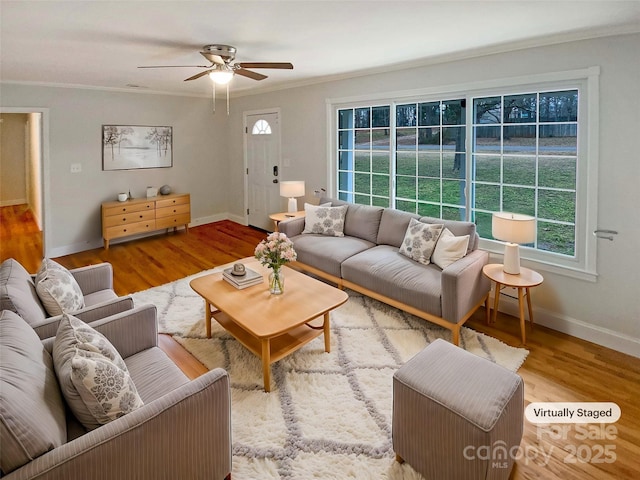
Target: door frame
45	169
246	134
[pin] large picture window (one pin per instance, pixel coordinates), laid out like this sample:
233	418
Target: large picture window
466	156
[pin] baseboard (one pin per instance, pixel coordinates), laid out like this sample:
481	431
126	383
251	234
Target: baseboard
10	203
574	327
90	245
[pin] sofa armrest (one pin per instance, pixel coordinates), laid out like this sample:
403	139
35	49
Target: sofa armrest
183	434
464	285
94	278
292	227
49	326
132	331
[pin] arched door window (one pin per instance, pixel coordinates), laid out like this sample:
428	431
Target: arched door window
261	127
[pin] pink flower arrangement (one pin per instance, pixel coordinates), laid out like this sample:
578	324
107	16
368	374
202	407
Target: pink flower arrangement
275	251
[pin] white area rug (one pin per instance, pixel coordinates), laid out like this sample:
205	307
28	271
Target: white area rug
328	415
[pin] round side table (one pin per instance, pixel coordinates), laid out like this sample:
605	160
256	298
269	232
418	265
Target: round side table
281	217
523	282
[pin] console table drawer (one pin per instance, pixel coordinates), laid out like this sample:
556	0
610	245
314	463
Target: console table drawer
124	230
128	218
129	208
175	221
176	200
175	210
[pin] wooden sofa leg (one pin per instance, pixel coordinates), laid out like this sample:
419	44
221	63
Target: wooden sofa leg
228	477
455	335
399	459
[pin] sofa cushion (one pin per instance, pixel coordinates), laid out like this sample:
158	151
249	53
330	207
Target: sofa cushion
154	374
324	220
420	240
393	226
92	374
327	253
384	270
18	292
363	221
32	412
458	228
59	292
449	249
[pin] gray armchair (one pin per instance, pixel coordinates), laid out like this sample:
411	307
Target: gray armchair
18	294
182	431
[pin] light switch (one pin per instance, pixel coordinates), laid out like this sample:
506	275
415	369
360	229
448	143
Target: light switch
76	167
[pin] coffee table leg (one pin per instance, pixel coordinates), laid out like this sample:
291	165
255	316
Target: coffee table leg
327	333
266	369
207	317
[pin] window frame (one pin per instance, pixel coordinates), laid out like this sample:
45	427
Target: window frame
586	81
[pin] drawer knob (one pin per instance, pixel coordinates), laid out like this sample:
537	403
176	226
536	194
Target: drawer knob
124	230
124	219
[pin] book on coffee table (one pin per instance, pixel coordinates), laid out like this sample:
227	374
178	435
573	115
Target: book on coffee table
250	278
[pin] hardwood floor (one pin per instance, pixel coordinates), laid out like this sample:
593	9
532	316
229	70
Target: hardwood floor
560	368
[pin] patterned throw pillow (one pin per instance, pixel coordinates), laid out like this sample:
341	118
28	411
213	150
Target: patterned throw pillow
324	220
420	240
93	376
449	249
58	291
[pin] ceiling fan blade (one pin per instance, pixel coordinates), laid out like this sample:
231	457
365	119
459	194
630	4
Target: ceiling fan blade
176	66
250	74
213	58
198	75
286	65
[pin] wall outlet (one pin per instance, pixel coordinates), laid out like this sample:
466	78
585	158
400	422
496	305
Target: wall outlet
76	167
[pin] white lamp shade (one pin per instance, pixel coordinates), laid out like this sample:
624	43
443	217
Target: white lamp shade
513	227
291	189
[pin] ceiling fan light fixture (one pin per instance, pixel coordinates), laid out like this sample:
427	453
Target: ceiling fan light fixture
221	77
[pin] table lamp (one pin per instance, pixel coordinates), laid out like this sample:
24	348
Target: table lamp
514	229
292	189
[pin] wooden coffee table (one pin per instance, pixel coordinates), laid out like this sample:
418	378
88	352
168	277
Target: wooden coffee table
270	326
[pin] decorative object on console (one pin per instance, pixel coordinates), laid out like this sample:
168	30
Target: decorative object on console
123	197
274	252
165	190
292	189
152	192
513	228
128	147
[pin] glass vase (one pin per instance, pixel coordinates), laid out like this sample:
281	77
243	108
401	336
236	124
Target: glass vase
276	281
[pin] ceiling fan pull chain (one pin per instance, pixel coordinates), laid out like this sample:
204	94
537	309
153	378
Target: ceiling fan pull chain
213	96
227	99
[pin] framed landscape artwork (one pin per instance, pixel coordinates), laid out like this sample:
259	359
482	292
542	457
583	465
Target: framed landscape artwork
126	147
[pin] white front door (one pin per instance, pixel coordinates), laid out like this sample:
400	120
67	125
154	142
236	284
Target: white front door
262	133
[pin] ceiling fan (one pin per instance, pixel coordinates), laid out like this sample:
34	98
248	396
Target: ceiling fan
222	68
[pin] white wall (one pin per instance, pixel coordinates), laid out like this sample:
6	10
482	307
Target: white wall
76	116
606	311
34	166
13	186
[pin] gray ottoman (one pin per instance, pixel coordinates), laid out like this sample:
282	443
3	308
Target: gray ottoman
456	415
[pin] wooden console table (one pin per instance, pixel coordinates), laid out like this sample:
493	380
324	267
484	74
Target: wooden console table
139	215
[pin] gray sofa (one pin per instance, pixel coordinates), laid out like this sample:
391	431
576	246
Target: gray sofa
183	430
367	260
18	294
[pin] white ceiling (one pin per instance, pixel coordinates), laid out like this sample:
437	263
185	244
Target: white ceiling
100	43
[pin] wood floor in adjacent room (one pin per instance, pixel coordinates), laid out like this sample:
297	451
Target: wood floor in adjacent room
559	368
